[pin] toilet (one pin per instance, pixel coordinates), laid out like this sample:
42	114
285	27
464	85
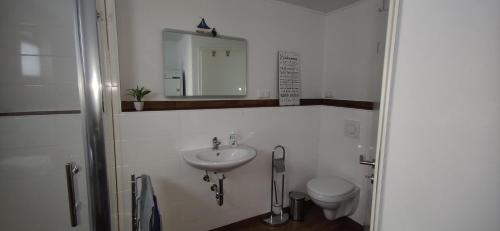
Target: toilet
337	197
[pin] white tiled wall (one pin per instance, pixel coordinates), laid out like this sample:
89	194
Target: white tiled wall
339	154
150	143
37	56
33	154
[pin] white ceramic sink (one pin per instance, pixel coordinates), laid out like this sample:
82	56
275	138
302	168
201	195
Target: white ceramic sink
221	160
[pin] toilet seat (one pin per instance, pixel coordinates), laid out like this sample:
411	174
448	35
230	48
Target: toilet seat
330	189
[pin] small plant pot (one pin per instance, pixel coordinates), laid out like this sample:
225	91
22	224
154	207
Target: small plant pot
139	106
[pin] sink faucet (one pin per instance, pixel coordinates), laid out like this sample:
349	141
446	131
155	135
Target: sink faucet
215	143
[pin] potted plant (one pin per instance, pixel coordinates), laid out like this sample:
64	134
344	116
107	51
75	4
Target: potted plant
138	94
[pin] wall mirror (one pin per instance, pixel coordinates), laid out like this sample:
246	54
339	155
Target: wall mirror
201	65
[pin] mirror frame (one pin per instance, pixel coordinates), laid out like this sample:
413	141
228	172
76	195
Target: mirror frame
210	36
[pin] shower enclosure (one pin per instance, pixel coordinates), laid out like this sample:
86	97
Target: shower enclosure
56	136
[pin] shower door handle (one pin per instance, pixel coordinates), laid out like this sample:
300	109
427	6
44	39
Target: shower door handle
71	171
366	162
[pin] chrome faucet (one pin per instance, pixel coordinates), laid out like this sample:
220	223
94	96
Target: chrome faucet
215	143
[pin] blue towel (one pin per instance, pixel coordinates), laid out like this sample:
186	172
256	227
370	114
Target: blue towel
149	215
155	221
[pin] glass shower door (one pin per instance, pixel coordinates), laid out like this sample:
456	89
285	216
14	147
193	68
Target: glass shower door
48	144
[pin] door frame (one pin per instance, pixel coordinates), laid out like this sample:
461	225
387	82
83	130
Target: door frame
385	104
91	98
108	42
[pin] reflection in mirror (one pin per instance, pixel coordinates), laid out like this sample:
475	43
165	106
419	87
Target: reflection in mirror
201	65
30	60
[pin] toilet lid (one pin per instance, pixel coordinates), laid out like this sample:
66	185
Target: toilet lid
330	186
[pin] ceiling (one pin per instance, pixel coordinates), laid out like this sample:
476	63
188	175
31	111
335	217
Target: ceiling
324	6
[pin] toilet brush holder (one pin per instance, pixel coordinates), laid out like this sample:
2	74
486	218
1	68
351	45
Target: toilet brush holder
277	215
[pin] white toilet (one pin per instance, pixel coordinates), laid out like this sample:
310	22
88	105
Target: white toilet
336	196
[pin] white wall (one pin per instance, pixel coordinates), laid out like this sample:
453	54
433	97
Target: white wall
33	153
353	69
186	201
443	154
37	56
269	26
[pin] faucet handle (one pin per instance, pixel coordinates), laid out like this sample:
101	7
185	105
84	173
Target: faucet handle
215	143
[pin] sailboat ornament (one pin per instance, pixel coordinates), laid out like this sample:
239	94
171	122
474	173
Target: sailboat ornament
205	29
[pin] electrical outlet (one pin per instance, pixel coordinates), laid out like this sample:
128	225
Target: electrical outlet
328	94
264	94
352	129
267	93
260	93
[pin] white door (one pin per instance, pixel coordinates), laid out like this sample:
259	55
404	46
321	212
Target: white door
442	149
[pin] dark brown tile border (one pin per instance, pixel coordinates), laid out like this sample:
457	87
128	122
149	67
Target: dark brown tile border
128	106
39	113
366	105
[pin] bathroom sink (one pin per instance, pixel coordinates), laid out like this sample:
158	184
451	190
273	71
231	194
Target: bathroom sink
219	160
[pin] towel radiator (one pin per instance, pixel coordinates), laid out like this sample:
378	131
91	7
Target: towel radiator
133	189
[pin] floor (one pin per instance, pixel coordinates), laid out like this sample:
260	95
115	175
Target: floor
313	221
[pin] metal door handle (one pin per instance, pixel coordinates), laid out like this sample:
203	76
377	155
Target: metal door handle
366	162
71	171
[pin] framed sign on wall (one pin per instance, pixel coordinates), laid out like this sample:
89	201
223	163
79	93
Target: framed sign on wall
289	78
